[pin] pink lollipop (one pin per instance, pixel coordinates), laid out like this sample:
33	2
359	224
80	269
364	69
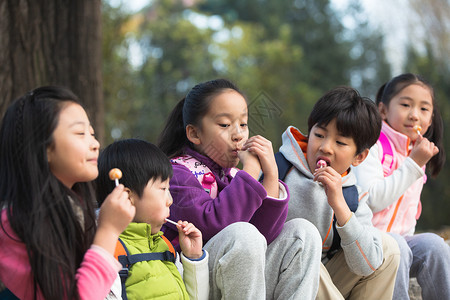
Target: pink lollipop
321	164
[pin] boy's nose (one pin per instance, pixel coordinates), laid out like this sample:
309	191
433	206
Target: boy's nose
169	199
325	147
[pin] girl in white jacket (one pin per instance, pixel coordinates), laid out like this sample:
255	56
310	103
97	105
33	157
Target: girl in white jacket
394	174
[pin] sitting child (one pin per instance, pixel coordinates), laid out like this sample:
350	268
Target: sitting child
394	174
146	174
359	262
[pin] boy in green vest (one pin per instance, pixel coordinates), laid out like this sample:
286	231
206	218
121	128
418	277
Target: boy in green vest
149	263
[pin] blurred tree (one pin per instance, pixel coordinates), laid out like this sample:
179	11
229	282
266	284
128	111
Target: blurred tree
427	54
52	42
175	56
333	54
295	51
119	77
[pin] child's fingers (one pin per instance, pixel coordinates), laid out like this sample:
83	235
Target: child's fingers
419	138
189	228
257	140
435	150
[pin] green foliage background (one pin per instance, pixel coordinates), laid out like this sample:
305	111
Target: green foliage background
284	53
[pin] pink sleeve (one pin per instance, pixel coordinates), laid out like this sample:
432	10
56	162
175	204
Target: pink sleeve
95	276
97	273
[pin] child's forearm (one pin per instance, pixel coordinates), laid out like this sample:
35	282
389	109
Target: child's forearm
271	186
342	213
252	170
106	239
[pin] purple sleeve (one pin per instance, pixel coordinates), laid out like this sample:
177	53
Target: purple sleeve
271	216
243	200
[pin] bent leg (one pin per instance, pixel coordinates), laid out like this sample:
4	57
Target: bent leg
431	265
292	262
406	258
327	289
236	263
380	284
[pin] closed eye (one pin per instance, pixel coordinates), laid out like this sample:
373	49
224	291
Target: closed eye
318	135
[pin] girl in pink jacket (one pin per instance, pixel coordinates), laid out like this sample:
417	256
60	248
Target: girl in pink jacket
394	173
51	247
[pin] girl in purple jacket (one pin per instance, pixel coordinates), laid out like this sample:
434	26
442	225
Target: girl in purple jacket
51	247
253	253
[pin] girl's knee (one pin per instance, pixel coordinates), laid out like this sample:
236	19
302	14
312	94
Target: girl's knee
302	229
245	235
433	244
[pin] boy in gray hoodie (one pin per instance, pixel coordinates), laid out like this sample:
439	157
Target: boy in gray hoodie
358	261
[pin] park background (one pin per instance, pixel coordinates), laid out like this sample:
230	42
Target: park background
132	61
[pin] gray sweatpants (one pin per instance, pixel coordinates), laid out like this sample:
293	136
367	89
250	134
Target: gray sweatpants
242	266
425	256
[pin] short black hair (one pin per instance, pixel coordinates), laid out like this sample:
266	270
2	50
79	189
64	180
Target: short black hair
356	117
139	161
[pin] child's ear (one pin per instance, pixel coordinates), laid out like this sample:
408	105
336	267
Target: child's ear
359	158
193	134
383	110
130	195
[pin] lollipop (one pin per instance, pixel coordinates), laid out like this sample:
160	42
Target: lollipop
417	128
321	164
115	174
170	221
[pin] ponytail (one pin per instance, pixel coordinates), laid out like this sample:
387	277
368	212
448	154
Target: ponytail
435	134
173	138
379	96
190	110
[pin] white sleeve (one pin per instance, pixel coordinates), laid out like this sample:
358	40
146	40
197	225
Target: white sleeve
282	192
384	191
196	277
116	290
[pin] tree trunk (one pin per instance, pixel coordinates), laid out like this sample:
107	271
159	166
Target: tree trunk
52	42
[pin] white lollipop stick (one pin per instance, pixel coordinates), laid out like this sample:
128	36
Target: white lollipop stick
418	129
170	221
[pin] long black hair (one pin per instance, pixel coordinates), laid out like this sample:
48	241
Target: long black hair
436	131
190	110
56	224
139	161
